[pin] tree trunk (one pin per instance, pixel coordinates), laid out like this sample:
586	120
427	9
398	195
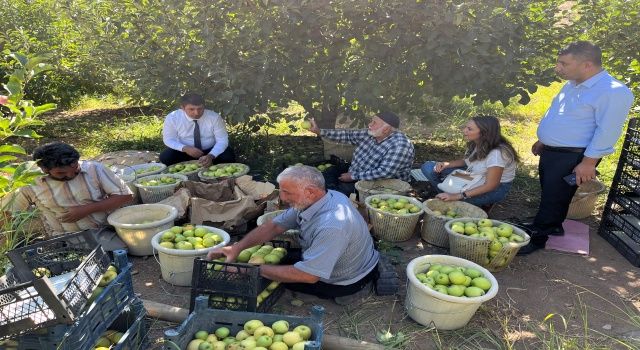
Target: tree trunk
328	117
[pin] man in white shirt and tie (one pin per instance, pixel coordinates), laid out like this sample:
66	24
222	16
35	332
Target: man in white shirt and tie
193	132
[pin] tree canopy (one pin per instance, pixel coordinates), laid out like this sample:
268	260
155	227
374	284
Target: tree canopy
337	58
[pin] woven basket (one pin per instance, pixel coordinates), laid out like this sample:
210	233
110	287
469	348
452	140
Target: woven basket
290	236
192	175
128	175
343	151
154	194
584	201
476	249
433	230
213	179
367	188
393	227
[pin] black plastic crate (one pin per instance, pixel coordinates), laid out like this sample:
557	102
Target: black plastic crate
618	231
44	302
236	286
82	334
210	319
135	328
59	255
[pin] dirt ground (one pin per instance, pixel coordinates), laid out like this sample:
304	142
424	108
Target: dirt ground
598	287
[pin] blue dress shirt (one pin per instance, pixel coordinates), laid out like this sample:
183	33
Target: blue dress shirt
588	115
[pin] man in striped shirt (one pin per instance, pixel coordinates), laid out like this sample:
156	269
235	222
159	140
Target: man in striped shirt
382	152
73	195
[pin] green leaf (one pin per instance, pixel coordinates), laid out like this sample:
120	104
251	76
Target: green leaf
22	59
7	158
44	108
12	149
13	86
27	133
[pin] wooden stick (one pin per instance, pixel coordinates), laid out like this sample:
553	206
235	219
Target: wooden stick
329	342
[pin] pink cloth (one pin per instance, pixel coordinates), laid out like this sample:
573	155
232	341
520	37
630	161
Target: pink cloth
575	239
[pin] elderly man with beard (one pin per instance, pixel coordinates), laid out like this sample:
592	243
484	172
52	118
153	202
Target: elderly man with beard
338	257
382	152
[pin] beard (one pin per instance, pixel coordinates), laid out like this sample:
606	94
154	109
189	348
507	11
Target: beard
376	133
301	206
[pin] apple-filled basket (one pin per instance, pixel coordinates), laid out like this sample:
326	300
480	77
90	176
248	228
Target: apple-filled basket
222	171
437	212
393	226
153	192
492	244
189	169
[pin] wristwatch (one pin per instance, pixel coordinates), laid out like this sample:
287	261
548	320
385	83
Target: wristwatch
464	195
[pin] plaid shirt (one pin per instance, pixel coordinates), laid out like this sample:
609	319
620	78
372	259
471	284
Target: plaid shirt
391	158
93	184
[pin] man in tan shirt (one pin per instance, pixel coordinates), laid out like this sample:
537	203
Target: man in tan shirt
73	195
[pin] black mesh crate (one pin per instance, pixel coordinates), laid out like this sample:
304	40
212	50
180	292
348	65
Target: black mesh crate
236	286
68	271
622	231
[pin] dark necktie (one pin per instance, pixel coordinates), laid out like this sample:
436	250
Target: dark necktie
197	143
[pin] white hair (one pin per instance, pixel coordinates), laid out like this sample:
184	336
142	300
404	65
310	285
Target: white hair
303	174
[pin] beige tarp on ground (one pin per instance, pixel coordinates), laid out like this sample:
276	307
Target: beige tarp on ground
127	157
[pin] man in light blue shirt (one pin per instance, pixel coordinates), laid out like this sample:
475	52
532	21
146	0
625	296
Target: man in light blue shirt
338	255
580	127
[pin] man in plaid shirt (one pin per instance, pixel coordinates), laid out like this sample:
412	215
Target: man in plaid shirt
382	152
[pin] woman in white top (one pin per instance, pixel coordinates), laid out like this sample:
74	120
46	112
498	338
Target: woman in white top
488	154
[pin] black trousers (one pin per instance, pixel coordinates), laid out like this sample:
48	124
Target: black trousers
328	291
556	193
170	156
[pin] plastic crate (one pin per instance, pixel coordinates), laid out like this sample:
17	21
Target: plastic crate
623	234
235	280
210	319
332	173
33	303
134	326
83	333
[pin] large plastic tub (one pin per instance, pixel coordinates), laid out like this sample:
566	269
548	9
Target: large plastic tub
203	318
177	265
430	308
130	225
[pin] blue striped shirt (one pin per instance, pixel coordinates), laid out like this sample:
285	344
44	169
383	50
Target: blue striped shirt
391	158
588	115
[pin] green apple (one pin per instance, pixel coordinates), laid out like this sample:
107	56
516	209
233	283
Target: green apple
441	289
107	278
242	335
168	236
279	345
264	341
280	327
446	269
263	330
482	283
248	343
505	230
485	223
473	292
176	229
442	279
457	228
201	335
222	332
516	238
291	338
457	277
194	344
298	346
456	290
168	245
469	230
205	346
252	325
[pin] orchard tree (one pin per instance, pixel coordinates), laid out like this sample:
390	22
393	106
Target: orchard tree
338	58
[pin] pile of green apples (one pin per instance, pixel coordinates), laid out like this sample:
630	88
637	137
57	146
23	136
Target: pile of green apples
181	168
499	236
147	170
262	254
105	280
456	281
400	206
189	237
108	339
224	170
254	335
40	272
323	167
450	213
161	181
234	303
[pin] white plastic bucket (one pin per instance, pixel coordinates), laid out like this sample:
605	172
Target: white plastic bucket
177	265
445	312
129	227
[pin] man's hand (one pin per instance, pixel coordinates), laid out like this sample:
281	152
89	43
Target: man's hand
537	147
192	151
229	252
345	177
206	160
585	171
314	127
448	197
73	214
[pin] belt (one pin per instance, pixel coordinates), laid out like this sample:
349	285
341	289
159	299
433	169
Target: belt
564	149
